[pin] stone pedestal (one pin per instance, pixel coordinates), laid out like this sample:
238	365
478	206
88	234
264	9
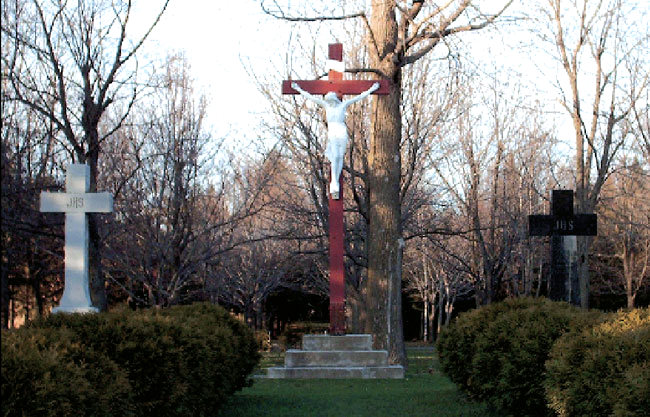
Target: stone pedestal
326	356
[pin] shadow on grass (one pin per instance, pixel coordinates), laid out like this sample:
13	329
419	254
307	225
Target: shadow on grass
425	391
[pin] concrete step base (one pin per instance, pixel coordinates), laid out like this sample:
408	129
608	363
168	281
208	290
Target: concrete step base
325	356
346	342
328	372
335	358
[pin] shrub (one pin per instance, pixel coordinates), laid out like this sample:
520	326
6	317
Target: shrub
603	370
220	353
145	346
263	340
497	353
46	373
456	343
181	361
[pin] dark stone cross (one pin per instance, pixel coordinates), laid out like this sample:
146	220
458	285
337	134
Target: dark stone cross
336	83
563	225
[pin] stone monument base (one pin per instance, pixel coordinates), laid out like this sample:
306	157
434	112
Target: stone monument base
326	356
75	309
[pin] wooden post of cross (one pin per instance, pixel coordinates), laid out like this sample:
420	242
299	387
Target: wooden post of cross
335	83
563	226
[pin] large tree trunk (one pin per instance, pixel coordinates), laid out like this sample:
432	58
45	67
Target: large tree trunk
95	273
628	273
6	295
355	311
582	206
630	294
383	292
583	243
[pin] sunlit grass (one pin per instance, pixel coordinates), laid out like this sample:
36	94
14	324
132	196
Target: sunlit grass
425	391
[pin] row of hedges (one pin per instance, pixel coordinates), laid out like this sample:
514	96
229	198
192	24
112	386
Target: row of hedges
535	357
180	361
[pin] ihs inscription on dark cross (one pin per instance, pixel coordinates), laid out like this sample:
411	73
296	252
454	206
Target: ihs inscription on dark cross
336	84
560	224
562	221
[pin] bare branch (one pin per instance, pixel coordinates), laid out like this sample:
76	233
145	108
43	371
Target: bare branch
434	37
366	70
280	14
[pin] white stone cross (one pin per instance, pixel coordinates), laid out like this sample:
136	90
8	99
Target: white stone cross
75	203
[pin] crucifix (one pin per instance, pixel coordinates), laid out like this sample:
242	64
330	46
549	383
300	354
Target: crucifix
333	90
563	226
75	203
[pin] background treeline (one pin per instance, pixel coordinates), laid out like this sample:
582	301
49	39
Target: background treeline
243	223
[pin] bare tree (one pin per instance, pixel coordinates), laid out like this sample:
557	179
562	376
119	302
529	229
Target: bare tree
70	62
31	258
600	46
491	171
624	252
397	36
437	279
421	282
182	194
641	125
249	275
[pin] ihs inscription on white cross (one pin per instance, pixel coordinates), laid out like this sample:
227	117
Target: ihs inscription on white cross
75	203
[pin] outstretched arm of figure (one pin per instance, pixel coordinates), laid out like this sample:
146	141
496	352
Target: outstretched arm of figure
308	96
363	95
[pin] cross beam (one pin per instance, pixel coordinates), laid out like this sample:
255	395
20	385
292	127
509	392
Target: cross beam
562	221
339	87
335	81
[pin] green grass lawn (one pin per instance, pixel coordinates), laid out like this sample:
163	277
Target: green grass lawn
425	391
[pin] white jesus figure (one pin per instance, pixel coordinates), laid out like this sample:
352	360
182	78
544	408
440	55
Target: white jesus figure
337	132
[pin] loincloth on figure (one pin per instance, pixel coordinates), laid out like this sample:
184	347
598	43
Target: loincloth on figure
337	141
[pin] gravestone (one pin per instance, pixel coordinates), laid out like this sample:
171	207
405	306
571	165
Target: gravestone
75	203
562	225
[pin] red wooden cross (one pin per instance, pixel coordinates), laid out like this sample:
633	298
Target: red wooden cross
336	84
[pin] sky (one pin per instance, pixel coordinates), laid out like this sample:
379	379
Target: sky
223	40
220	39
